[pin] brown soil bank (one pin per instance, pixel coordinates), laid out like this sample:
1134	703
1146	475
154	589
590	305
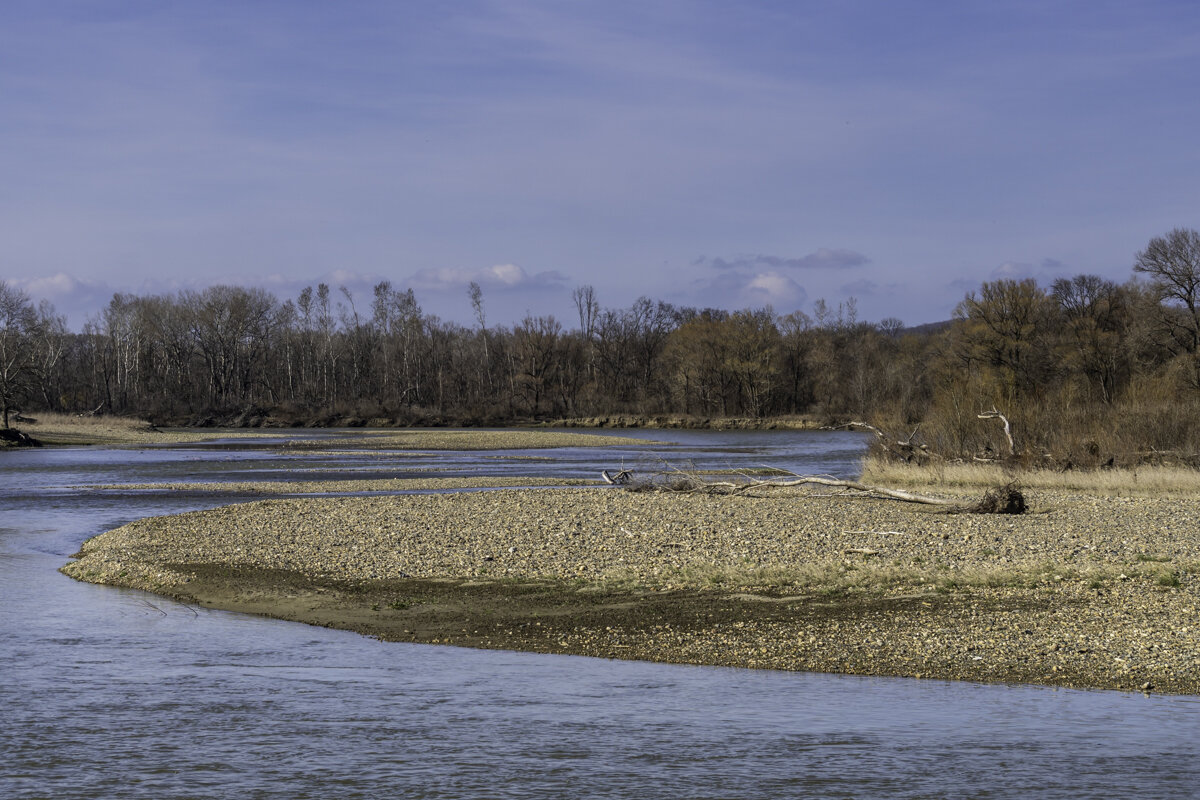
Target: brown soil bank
684	422
10	437
1090	591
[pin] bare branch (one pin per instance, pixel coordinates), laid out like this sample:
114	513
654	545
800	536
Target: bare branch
906	450
994	414
621	478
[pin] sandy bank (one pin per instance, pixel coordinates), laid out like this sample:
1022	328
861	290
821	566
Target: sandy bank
678	421
391	485
65	429
1088	591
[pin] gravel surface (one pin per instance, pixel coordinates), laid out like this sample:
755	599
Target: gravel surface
1085	591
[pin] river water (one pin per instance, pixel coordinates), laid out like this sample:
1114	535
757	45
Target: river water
116	693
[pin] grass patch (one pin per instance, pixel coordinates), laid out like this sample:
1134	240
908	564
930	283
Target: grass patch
1146	480
57	428
866	577
1169	579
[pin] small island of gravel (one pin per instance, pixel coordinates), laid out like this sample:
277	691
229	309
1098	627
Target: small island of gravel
1087	590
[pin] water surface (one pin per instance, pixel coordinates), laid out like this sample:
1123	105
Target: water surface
117	693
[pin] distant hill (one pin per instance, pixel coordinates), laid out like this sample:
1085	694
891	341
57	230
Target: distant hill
928	329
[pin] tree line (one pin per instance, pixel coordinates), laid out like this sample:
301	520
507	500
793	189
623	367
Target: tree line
1086	368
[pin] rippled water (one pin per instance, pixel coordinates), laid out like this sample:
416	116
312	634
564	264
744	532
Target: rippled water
115	693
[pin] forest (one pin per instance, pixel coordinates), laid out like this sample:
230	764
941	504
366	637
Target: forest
1089	372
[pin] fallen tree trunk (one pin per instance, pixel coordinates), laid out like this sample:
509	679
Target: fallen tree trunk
821	480
1004	500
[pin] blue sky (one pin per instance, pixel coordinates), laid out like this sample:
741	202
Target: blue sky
704	153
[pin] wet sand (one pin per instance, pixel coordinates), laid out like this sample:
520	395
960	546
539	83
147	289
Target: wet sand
1087	591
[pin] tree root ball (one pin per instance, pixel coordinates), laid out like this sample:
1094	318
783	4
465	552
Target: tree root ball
1005	499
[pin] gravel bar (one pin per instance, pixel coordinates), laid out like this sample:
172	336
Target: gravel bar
1085	591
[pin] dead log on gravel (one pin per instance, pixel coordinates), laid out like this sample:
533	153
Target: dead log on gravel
731	487
1006	500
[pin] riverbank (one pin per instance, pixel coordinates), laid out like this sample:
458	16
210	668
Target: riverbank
278	418
363	486
687	422
66	429
1087	591
70	430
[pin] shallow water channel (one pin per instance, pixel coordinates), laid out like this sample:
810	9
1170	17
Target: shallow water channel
116	693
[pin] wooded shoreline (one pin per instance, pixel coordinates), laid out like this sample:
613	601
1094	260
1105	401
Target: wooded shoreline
1090	373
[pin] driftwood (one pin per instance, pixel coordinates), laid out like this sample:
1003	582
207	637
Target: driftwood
622	478
994	414
95	412
730	487
906	450
1007	500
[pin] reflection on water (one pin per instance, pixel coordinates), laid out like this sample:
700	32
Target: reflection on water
115	693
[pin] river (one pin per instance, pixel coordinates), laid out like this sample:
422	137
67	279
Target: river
117	693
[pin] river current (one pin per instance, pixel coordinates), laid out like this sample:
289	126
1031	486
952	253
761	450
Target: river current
117	693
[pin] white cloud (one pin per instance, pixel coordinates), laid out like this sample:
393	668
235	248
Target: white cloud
76	299
743	289
773	287
499	276
55	286
1012	270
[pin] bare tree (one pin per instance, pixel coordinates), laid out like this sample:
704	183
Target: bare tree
1008	328
18	330
476	294
232	328
401	334
1096	315
49	346
537	344
589	311
1173	264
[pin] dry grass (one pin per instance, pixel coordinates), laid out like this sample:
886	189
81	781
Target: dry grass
862	575
54	420
1133	481
53	428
